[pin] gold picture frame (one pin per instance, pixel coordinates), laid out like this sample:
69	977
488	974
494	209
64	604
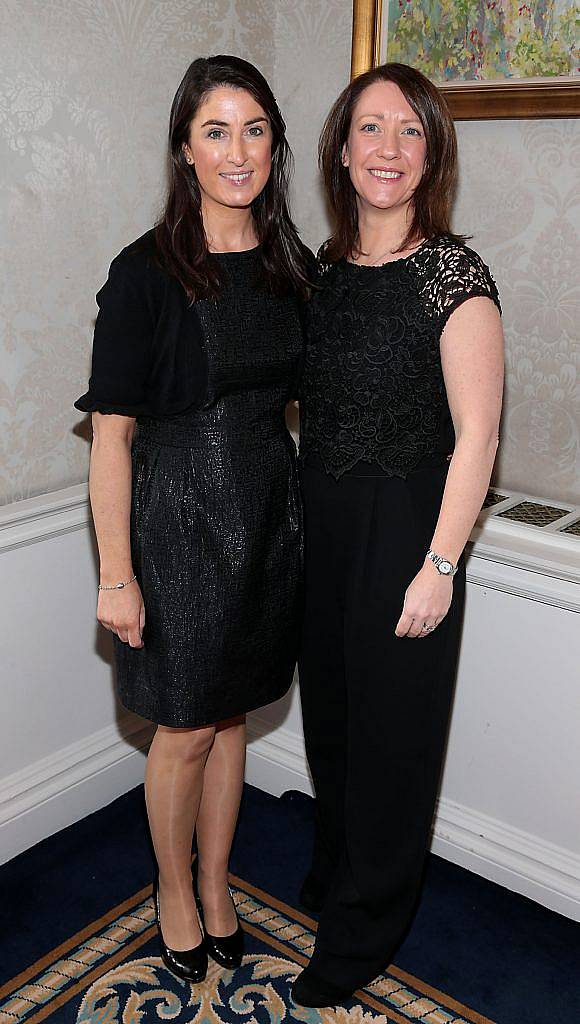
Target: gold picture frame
523	98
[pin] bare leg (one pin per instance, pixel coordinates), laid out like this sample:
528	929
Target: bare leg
173	787
218	813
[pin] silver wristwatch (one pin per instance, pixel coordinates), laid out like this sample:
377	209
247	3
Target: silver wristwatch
443	566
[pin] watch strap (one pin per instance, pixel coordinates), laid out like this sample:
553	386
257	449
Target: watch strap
437	559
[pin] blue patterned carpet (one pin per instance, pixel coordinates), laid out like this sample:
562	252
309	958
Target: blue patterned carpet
78	940
109	972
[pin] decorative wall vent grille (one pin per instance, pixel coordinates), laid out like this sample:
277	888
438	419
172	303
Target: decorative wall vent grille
520	508
573	528
534	514
492	498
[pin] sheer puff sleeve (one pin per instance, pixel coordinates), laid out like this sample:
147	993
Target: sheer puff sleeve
148	352
122	344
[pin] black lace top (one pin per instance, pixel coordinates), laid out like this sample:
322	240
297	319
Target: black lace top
372	388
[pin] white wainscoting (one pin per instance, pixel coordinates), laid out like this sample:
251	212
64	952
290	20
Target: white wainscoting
524	863
66	747
509	804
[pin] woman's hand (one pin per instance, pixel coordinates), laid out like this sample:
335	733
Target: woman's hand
123	613
426	603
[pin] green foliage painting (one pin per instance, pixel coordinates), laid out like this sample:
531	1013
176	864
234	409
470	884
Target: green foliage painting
481	39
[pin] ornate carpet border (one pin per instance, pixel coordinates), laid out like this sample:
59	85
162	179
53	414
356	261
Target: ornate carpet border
72	967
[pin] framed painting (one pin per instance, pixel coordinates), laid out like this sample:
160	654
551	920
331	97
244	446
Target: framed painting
491	58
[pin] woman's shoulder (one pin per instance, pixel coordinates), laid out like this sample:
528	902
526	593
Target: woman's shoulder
322	260
136	275
448	270
326	268
140	259
450	256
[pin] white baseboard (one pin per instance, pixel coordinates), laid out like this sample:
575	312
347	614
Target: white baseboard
515	859
60	789
276	761
524	863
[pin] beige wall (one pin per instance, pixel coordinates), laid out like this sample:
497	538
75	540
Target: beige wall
312	66
519	196
85	92
84	98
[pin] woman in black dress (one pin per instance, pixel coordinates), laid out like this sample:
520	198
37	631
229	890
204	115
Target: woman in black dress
400	405
193	480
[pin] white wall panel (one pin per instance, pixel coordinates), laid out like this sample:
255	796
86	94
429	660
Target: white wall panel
509	805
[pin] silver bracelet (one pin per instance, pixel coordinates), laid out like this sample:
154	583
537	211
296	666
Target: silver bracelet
116	586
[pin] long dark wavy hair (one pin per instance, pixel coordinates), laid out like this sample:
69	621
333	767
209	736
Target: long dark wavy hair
433	197
180	235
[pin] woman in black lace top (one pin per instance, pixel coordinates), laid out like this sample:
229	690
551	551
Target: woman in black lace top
399	406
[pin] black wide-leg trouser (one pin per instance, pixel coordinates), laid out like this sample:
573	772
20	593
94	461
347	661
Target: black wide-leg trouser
375	707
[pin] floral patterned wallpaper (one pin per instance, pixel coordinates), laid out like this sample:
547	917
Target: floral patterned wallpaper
519	196
85	89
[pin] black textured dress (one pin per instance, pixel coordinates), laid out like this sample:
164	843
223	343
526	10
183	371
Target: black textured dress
376	433
216	529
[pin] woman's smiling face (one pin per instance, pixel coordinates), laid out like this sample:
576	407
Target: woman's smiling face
230	146
386	147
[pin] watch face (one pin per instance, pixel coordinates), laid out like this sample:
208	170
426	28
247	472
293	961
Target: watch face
445	567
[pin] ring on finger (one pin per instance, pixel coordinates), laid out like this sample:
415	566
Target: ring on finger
427	628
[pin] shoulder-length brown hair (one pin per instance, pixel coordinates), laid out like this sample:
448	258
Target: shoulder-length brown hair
180	235
433	196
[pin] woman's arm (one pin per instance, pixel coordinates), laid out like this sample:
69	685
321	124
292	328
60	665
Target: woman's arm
472	361
121	611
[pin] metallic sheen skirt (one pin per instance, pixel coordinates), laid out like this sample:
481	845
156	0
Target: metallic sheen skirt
216	533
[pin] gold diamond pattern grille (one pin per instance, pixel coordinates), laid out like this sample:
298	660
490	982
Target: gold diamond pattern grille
533	514
493	498
573	528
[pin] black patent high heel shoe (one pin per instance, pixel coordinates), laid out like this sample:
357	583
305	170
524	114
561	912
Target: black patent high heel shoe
226	950
189	964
